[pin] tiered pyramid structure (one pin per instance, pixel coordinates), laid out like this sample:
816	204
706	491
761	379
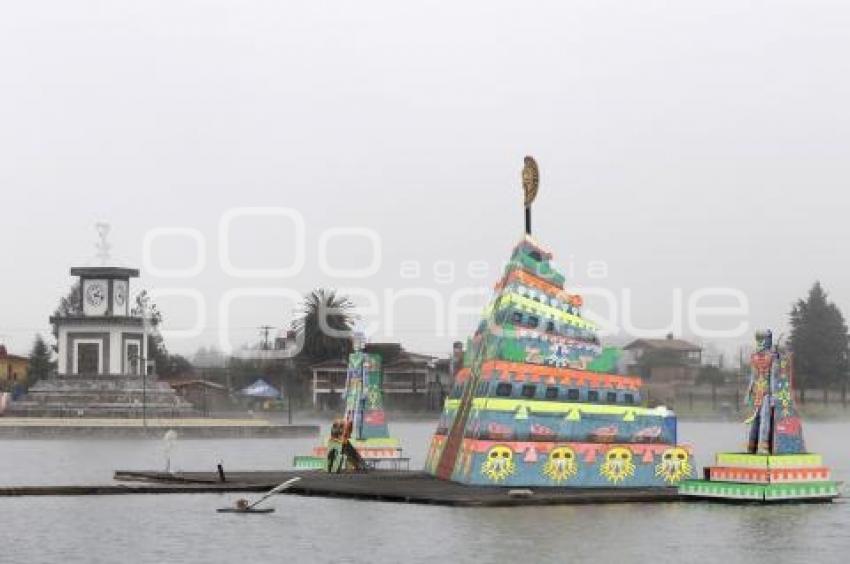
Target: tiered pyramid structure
363	425
538	401
776	466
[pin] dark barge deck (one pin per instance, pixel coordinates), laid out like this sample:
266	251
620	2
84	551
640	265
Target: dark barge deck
387	486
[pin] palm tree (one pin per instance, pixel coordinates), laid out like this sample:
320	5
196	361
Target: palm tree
325	324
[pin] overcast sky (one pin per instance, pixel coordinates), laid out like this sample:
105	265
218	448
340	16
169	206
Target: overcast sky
687	144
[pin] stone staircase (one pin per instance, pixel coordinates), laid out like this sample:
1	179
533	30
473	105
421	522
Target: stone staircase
101	396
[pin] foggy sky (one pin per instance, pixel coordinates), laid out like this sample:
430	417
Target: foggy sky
686	144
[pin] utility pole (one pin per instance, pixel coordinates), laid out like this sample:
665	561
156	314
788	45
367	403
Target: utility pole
264	331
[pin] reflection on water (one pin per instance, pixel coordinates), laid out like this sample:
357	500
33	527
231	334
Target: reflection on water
185	528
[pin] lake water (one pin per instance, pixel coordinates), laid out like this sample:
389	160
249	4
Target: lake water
185	528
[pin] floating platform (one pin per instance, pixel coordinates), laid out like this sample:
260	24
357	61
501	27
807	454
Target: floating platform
776	467
765	478
187	428
393	486
734	491
363	425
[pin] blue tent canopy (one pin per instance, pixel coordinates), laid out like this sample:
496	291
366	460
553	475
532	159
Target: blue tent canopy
260	389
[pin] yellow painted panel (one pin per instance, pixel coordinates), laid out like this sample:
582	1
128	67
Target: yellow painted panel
535	306
795	461
377	443
558	407
742	460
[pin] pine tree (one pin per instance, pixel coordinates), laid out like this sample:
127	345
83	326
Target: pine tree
40	361
820	343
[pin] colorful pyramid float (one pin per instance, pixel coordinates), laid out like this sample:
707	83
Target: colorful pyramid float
538	401
361	438
776	466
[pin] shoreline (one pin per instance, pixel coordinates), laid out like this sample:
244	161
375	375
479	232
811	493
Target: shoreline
62	428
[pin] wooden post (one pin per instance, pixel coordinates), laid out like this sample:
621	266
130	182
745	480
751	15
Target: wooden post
290	386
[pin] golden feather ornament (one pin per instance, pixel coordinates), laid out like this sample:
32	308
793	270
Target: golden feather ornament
530	180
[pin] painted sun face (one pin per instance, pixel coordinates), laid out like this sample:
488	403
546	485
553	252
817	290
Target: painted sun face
618	465
561	464
675	465
499	463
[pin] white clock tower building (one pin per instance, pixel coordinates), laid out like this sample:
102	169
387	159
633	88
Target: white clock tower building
104	339
102	368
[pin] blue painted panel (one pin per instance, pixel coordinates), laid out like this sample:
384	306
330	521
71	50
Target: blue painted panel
618	472
499	425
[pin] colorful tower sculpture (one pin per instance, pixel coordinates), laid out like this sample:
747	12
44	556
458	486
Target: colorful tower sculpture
364	423
538	401
776	466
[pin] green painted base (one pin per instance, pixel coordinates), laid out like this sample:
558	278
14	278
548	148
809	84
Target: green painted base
310	463
742	460
760	492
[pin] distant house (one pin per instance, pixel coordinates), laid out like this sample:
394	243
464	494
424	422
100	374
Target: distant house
664	364
410	380
206	396
13	369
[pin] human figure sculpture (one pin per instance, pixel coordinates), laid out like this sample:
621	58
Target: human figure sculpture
775	426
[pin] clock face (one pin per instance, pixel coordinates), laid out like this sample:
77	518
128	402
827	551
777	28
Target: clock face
95	294
120	294
120	297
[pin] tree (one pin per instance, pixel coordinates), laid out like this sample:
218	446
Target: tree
170	365
820	342
72	303
167	365
40	361
69	305
324	325
146	308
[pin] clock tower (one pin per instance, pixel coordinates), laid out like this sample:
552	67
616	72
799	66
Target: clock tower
105	337
102	367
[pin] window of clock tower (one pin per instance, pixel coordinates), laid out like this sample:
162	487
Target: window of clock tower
133	359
